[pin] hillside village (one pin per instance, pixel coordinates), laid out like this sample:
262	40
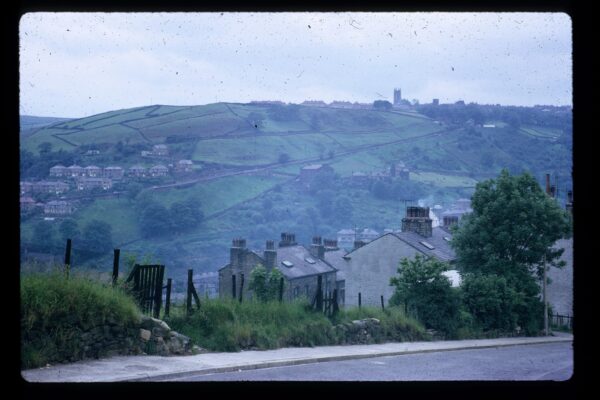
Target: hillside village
366	193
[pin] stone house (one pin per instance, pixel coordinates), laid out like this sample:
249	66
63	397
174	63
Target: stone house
92	183
160	150
184	166
75	171
26	203
93	171
59	171
58	207
53	187
26	187
137	171
299	266
368	234
158	170
368	267
114	173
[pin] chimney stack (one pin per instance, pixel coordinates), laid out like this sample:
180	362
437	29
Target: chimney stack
569	205
237	251
417	220
450	220
270	255
330	244
287	239
317	249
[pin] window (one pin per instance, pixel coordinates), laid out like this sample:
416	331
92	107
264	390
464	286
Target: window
288	264
296	291
428	245
310	260
447	238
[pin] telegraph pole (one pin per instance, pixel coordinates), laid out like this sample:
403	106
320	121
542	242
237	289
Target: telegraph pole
545	301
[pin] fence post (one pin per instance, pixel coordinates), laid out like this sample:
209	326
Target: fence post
319	293
68	257
241	287
336	308
233	286
280	290
189	291
382	306
359	300
115	273
158	290
168	299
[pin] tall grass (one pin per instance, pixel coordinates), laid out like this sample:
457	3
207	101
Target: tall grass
227	325
56	310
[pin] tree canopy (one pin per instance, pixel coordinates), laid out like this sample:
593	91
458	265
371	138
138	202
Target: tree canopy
503	244
512	228
265	284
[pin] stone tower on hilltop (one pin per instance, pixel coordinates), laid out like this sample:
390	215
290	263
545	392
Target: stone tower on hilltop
397	97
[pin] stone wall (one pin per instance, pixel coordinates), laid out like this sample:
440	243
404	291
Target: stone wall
149	336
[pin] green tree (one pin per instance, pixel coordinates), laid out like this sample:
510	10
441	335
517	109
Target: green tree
43	238
510	234
382	105
96	239
45	148
69	229
265	284
426	293
185	214
342	207
155	220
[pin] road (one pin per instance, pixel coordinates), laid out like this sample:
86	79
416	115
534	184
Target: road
552	361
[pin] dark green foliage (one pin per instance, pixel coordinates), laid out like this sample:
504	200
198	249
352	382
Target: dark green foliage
155	220
490	301
69	229
265	284
96	240
382	105
55	311
185	215
283	158
44	237
342	208
509	235
427	294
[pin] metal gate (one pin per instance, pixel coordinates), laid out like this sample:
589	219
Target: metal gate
147	287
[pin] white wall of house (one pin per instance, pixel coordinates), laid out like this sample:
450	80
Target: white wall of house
370	268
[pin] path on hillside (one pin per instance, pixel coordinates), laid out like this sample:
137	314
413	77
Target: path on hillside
268	167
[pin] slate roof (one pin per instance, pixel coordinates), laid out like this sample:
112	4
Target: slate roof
442	250
297	255
334	258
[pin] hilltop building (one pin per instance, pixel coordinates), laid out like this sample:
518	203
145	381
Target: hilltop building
299	266
58	207
397	97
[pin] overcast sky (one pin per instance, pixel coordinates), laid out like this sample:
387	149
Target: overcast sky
79	64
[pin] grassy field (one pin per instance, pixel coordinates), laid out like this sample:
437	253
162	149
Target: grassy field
441	180
218	195
263	150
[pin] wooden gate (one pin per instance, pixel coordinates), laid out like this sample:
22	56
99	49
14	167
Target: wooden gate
147	287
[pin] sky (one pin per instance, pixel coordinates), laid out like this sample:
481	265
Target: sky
81	64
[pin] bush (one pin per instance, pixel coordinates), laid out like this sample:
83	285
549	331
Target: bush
227	325
55	310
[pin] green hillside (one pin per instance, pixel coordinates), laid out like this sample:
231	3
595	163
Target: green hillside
247	159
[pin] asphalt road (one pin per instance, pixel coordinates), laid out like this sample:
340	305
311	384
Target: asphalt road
553	361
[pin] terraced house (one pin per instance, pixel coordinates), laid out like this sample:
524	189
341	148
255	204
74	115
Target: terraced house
368	267
300	267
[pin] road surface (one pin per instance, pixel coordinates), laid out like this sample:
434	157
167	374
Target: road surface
552	362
